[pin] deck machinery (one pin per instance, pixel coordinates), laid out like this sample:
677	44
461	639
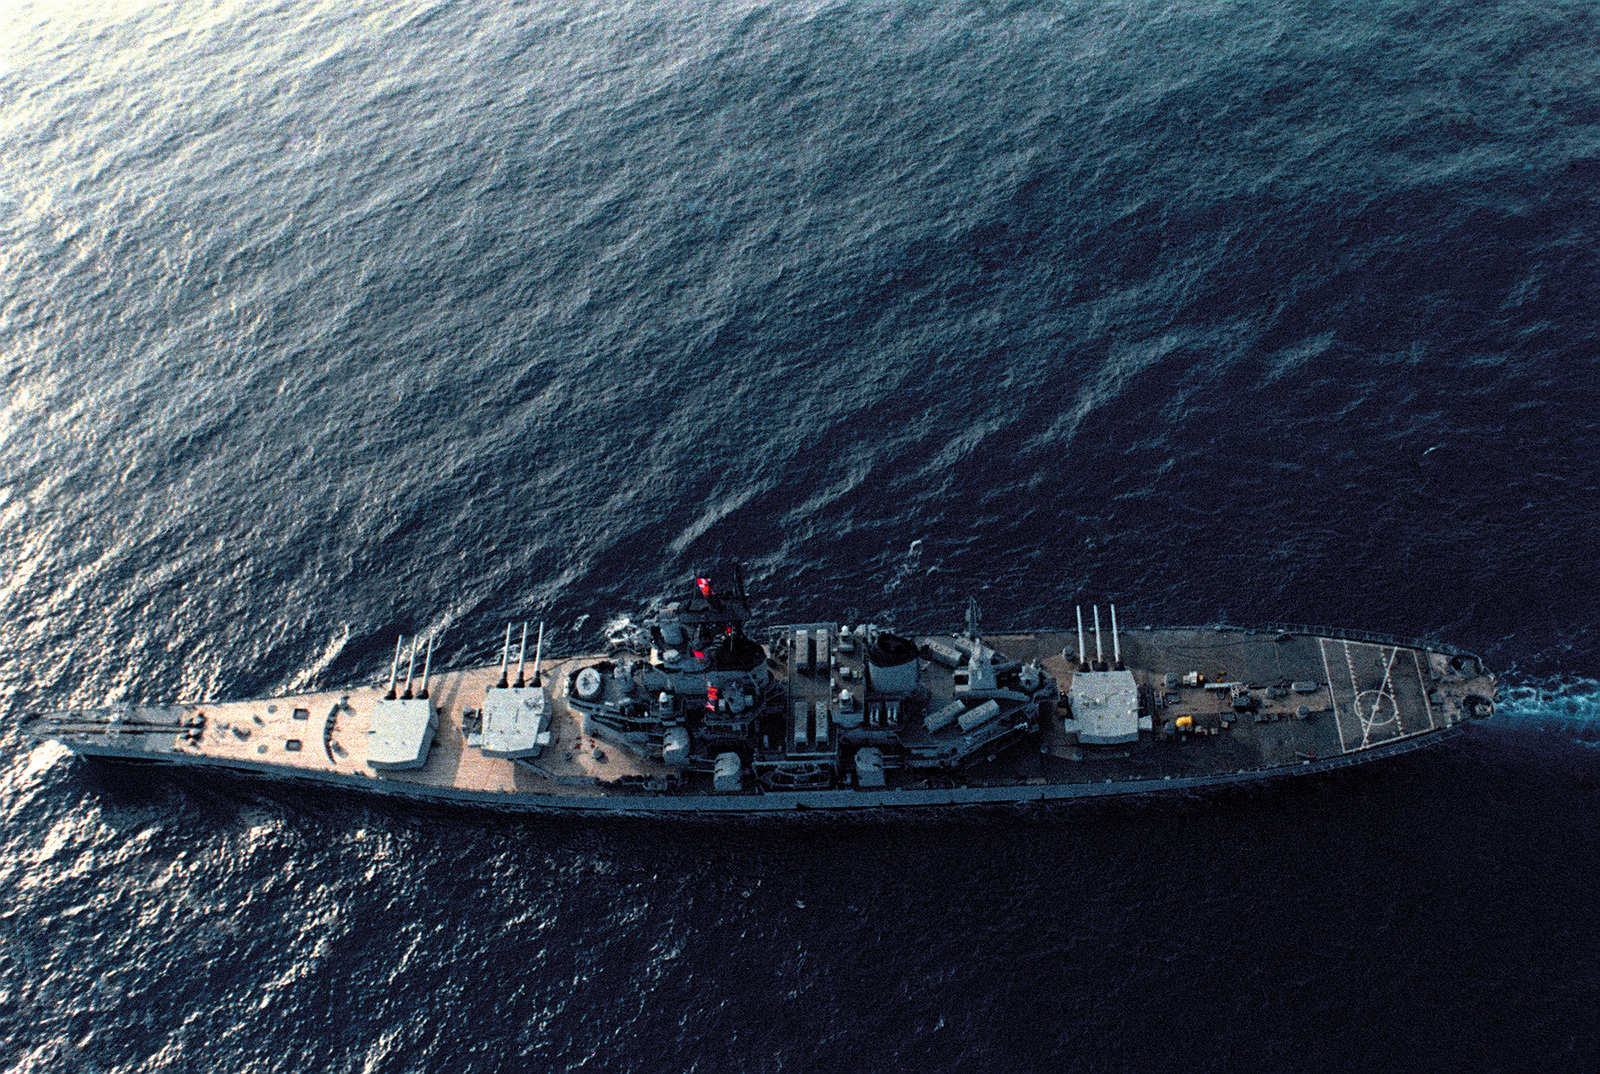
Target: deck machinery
819	705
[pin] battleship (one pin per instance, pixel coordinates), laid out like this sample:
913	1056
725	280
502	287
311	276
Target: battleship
692	711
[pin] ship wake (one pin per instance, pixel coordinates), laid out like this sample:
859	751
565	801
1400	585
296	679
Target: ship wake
1560	704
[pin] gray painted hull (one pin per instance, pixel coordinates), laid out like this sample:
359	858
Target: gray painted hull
791	802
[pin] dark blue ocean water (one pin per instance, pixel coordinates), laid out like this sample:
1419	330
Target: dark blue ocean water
320	322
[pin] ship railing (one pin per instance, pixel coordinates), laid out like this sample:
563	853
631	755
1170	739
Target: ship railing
1344	634
1341	633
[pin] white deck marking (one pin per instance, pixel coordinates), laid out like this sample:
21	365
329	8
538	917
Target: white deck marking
1378	708
1427	706
1355	686
1322	644
1384	691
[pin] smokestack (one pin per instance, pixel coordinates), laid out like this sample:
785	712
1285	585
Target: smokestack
394	667
505	655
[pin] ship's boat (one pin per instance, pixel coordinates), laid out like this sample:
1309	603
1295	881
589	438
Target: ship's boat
690	712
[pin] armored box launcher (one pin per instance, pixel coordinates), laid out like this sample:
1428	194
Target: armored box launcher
692	714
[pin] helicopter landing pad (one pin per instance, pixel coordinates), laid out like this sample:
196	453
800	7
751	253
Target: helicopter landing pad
1378	692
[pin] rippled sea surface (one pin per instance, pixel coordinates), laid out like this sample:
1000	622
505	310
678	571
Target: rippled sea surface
321	322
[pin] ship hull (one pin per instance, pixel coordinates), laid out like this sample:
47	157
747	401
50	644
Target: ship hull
830	801
1202	708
